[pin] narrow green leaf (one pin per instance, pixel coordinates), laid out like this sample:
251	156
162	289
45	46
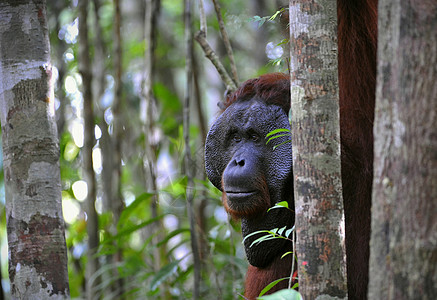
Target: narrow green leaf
276	136
129	230
132	207
172	234
276	14
274	147
279	130
264	238
255	232
289	231
281	204
272	284
280	231
286	253
163	274
287	294
283	42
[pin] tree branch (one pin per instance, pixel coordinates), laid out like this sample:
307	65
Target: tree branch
202	17
212	56
225	41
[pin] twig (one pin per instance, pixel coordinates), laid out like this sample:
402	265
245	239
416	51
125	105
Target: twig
225	41
210	54
290	282
202	17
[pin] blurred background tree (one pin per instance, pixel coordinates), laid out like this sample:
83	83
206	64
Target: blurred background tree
124	109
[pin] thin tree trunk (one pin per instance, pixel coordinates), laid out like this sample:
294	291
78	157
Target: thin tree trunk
87	151
98	92
403	248
148	103
148	116
35	227
107	150
151	143
188	159
60	64
117	112
316	149
201	207
117	197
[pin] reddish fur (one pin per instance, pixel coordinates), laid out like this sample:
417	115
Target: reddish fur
258	204
357	40
272	88
257	279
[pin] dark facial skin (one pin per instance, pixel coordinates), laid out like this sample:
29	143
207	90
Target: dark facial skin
252	176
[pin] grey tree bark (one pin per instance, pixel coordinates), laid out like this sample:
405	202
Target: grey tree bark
403	247
315	127
89	140
35	226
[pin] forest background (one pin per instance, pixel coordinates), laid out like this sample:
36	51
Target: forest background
138	79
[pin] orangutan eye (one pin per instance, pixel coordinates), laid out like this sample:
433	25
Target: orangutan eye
236	137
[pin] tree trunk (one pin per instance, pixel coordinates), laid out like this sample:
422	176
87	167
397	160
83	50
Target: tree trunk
316	149
201	217
35	227
117	110
148	117
89	140
60	47
187	159
403	248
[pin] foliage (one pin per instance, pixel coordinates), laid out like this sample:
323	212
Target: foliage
261	20
277	133
276	233
133	237
288	294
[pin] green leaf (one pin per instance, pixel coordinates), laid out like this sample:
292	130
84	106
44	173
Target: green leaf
134	228
267	237
289	231
164	273
283	42
255	232
276	14
259	20
272	284
172	234
270	235
281	204
277	136
131	208
287	294
274	147
280	231
279	130
286	253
